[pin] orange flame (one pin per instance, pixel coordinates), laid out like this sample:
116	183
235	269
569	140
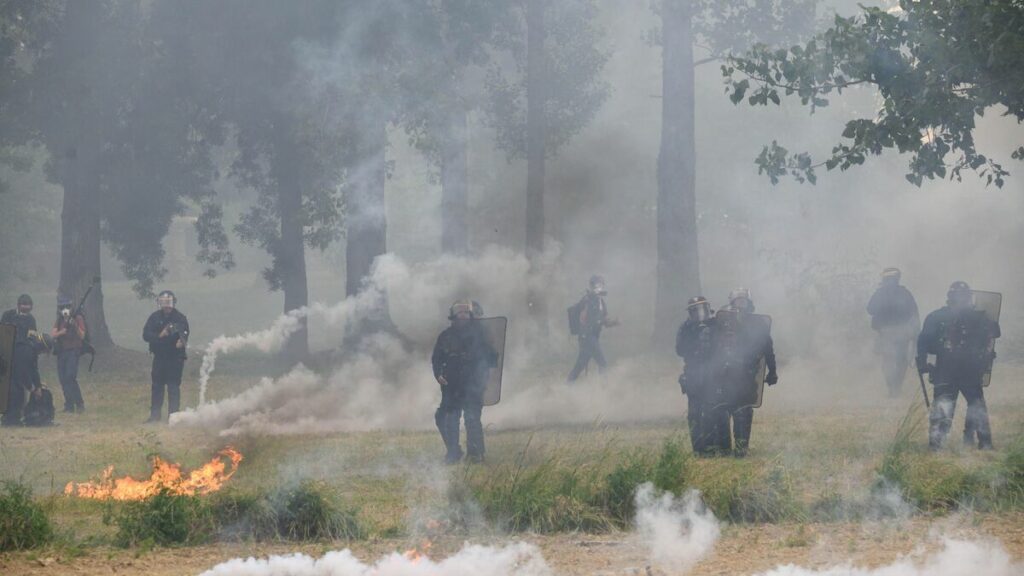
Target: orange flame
416	555
208	478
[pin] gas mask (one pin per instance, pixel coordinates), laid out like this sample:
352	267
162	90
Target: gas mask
65	312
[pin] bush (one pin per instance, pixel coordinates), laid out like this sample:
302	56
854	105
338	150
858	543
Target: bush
301	512
24	524
162	519
735	491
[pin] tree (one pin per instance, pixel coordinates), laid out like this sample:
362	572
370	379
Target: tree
937	65
715	28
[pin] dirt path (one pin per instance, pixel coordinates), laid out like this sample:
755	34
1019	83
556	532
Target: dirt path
741	550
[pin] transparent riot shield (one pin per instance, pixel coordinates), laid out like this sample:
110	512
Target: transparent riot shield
495	329
762	333
991	303
7	333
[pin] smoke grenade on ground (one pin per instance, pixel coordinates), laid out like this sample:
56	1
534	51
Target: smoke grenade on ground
678	532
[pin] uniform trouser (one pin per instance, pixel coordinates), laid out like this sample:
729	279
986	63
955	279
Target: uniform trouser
944	406
23	370
715	427
742	422
694	414
166	373
67	371
457	404
894	348
590	347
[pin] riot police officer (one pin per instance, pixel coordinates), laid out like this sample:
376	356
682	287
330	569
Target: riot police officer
741	340
592	316
693	345
462	360
894	316
25	365
961	338
166	331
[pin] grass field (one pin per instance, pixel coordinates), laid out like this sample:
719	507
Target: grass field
812	479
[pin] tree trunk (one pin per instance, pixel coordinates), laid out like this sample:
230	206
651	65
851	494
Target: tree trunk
80	242
291	254
367	232
536	132
678	260
455	186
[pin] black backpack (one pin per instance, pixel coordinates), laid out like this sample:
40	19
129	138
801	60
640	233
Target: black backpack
39	411
575	311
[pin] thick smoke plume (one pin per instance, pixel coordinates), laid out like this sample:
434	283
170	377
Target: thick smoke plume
678	532
519	559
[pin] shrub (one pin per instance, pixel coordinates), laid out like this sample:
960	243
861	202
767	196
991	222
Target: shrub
24	524
163	519
301	512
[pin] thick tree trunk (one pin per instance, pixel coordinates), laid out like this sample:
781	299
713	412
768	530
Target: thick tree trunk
367	232
455	186
80	242
678	260
536	132
291	254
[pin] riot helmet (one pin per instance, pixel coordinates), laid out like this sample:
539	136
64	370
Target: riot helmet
698	308
597	285
739	299
166	300
478	310
891	275
461	311
959	295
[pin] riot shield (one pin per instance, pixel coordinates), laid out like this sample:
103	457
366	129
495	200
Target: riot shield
763	332
991	303
7	333
495	328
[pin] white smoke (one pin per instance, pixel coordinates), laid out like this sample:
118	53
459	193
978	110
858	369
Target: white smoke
956	558
678	532
519	559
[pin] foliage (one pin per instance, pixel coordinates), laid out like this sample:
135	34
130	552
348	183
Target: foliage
163	519
24	524
938	65
302	512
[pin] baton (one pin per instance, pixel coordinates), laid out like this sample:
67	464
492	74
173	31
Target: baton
924	389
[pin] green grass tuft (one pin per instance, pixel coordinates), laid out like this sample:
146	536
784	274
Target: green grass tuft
303	512
164	519
24	523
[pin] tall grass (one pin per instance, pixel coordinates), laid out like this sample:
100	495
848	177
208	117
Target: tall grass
302	512
24	523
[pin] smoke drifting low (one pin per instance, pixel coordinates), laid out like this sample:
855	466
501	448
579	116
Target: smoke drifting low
679	533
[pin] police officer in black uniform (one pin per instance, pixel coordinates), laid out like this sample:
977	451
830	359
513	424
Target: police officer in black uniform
25	366
962	340
693	345
593	317
167	332
894	316
462	359
739	342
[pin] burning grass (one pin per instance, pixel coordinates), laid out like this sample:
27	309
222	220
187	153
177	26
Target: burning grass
166	477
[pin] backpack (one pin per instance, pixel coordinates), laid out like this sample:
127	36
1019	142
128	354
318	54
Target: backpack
39	411
575	312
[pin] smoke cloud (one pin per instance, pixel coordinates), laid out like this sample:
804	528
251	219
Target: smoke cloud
678	532
519	559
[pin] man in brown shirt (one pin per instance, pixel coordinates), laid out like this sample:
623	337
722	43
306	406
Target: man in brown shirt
69	333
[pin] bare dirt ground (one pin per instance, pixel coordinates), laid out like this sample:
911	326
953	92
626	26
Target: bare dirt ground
749	549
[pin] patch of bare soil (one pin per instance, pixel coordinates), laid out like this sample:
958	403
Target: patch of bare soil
741	550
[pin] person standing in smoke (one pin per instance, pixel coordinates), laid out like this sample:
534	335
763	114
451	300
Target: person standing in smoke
591	316
962	340
166	331
69	335
693	345
462	360
740	340
894	316
25	366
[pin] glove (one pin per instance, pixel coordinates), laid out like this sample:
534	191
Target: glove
772	378
682	382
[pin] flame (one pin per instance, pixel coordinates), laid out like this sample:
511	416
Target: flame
208	478
416	555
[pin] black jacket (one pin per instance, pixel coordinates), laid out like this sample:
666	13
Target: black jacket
463	355
892	305
166	346
961	339
22	322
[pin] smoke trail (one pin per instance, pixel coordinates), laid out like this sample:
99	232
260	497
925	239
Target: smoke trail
957	558
514	560
679	533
